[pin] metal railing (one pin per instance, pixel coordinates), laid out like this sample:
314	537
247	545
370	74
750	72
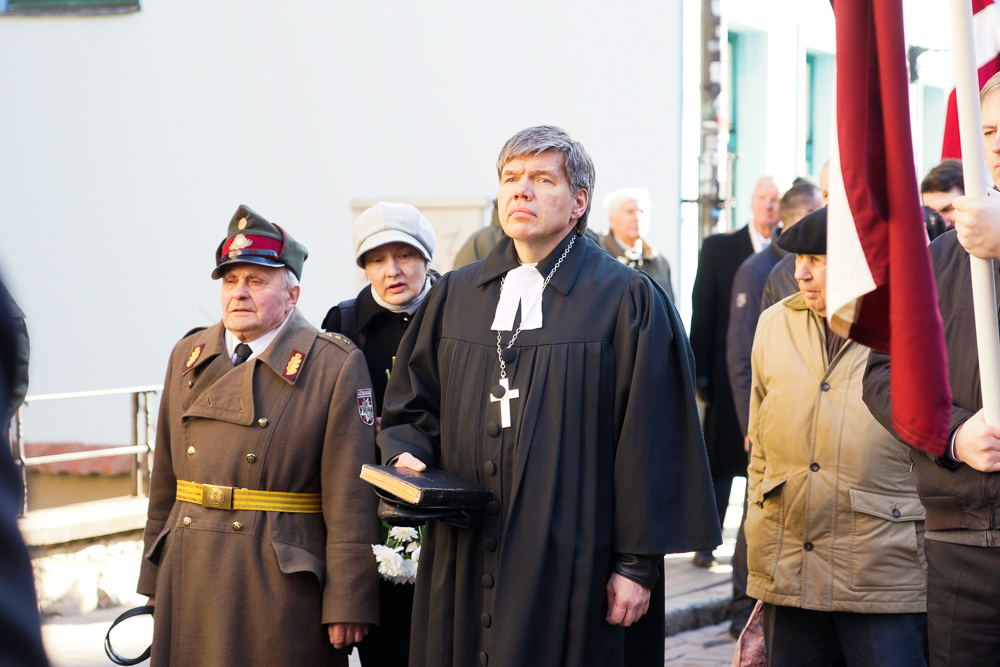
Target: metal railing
143	441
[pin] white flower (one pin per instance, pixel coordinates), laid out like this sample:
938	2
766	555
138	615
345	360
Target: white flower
415	554
403	534
409	571
390	562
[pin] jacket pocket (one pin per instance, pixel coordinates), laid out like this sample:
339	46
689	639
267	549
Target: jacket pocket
765	526
155	551
886	546
293	558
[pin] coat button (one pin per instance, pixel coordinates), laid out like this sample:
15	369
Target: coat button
814	466
483	658
896	513
490	468
262	422
186	522
487	581
190	383
825	386
486	620
237	526
251	458
493	508
190	451
808	546
490	544
508	354
492	429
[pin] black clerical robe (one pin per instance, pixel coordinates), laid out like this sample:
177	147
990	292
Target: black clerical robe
604	455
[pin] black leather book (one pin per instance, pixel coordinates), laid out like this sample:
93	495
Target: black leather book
434	488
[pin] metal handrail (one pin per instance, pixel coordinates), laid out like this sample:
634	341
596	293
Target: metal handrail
86	454
152	388
142	438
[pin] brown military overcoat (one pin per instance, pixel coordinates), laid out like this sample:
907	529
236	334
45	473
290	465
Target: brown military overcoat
242	587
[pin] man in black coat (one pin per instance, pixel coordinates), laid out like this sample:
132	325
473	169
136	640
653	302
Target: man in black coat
20	631
960	490
562	381
721	255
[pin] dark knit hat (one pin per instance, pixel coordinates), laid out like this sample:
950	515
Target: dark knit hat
253	240
807	236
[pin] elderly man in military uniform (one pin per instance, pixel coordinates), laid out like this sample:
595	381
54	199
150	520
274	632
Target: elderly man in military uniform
259	530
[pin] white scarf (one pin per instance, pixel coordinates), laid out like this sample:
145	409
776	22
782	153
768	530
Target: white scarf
408	307
520	288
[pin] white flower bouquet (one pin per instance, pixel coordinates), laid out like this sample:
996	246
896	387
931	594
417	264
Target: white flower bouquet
399	556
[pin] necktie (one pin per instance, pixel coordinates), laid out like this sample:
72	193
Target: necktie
243	353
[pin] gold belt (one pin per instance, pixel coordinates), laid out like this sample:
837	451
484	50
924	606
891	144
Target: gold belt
228	498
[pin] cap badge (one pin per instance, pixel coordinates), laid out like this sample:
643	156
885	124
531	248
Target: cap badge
366	406
292	367
195	353
240	242
242	224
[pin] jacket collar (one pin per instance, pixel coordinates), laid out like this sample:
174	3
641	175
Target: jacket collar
296	336
610	243
503	258
367	308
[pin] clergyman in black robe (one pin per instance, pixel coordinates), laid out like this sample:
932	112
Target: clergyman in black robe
602	469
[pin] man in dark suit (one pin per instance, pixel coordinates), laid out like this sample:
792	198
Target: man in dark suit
721	255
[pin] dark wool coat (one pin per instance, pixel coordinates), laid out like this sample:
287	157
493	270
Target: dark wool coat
261	595
721	255
20	631
604	456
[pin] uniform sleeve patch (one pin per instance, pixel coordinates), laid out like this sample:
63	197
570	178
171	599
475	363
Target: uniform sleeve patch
195	353
292	367
366	406
741	299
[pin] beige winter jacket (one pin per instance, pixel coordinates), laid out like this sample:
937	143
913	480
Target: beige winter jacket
833	522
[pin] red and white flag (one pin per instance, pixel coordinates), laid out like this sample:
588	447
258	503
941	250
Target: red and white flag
880	286
986	31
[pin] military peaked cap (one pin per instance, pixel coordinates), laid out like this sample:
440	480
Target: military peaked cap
253	240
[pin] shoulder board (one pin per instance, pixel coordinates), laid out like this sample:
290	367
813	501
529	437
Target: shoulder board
343	342
193	331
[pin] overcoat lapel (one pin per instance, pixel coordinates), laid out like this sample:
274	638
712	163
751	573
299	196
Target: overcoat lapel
225	392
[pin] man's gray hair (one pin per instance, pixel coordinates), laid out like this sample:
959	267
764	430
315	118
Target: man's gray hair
289	278
613	201
579	167
989	88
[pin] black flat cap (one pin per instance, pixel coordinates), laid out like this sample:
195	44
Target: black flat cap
253	240
807	236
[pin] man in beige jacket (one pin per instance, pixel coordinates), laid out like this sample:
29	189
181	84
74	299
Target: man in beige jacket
834	526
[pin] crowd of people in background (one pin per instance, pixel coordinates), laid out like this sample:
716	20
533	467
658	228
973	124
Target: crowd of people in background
853	548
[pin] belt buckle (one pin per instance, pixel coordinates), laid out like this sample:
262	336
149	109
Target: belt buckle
217	497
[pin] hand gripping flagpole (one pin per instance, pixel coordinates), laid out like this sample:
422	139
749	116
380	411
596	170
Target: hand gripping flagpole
973	160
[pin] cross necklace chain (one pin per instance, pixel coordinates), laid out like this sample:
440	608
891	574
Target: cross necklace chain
502	392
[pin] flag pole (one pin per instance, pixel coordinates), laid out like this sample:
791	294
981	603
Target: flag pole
973	160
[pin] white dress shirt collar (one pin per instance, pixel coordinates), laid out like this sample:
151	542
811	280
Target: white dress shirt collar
257	346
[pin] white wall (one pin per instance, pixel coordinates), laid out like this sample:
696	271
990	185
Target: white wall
127	142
